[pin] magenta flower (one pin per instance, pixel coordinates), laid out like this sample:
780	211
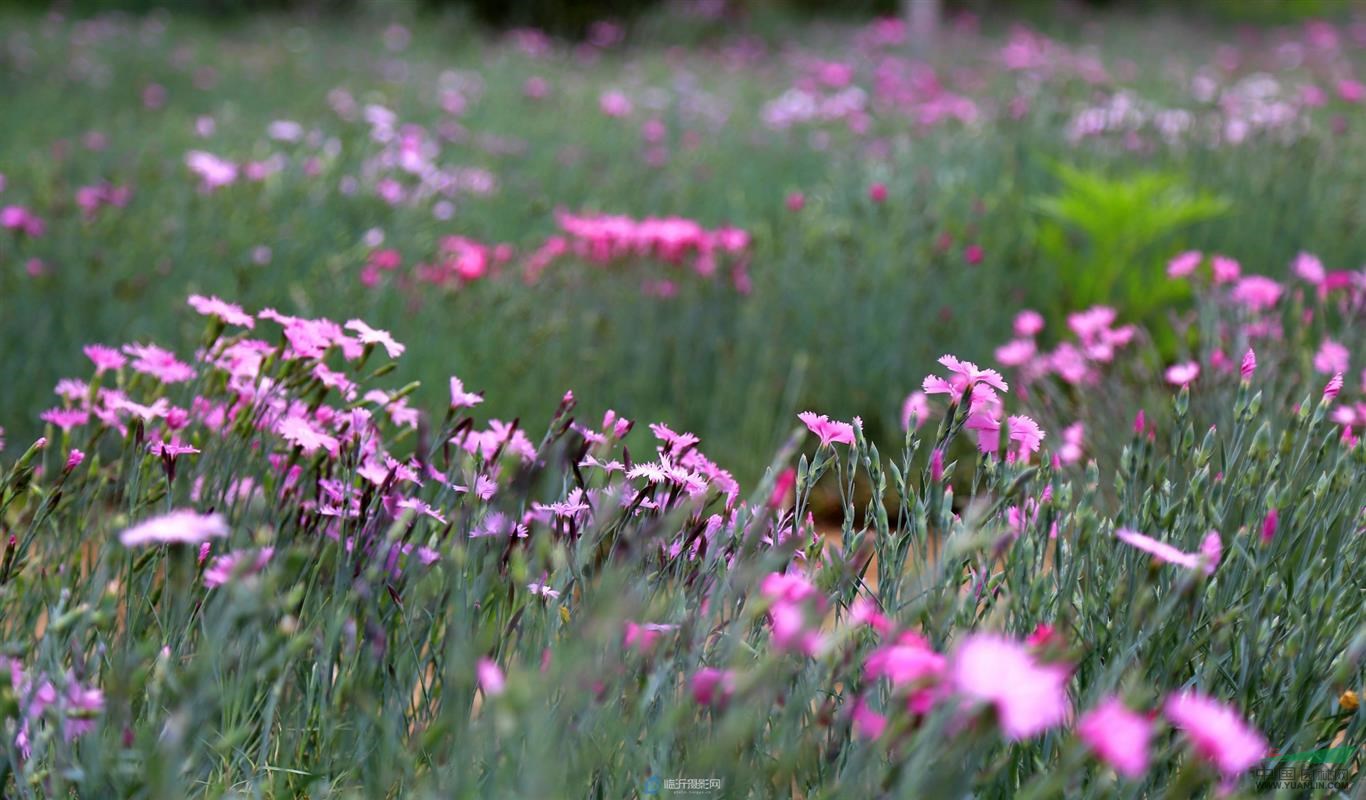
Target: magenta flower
74	459
1257	293
1211	550
225	311
1184	264
178	527
1218	733
1226	270
1029	697
65	418
711	686
1333	387
1249	365
868	724
104	358
828	431
1183	374
223	568
491	679
1269	524
1119	736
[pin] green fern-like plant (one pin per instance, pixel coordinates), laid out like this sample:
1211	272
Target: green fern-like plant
1105	239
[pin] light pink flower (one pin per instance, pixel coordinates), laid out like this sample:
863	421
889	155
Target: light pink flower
828	431
1028	323
1310	268
159	363
1016	352
1207	559
223	568
178	527
909	663
1029	697
1332	357
1183	374
225	311
1333	387
1218	733
491	678
461	398
915	410
1027	434
369	335
1072	438
965	375
1119	736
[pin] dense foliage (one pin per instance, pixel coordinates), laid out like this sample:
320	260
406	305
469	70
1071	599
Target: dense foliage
350	443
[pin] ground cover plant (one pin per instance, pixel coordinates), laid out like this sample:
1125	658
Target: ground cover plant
407	409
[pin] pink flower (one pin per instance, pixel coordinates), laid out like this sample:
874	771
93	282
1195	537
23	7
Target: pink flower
227	312
224	568
1183	374
1226	270
1029	697
1249	365
878	193
65	418
178	527
915	410
712	686
965	375
369	335
868	724
159	363
1257	293
909	663
1218	733
973	254
1028	323
1334	385
1332	357
1119	736
1072	438
299	432
828	431
74	459
104	358
1269	524
491	679
461	398
614	104
643	637
1207	559
1016	352
1310	268
1184	264
796	201
1026	433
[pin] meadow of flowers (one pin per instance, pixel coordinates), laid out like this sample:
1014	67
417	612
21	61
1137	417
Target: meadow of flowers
707	408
